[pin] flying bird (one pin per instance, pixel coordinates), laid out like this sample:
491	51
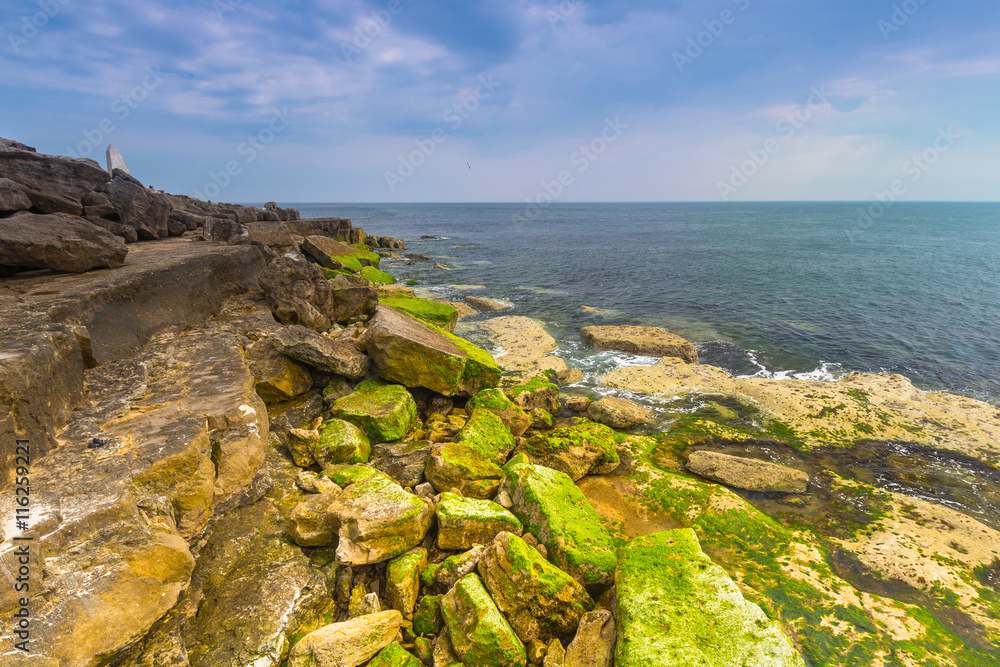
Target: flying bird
469	165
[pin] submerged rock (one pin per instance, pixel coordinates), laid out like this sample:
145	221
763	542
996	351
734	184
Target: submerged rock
59	242
647	341
466	522
748	474
479	632
346	644
674	606
578	451
386	413
483	304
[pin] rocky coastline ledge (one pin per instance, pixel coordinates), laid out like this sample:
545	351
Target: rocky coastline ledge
242	443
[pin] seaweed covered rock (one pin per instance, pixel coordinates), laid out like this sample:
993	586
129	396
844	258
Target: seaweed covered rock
434	313
486	433
402	581
386	413
749	474
479	632
427	617
455	466
648	341
395	655
341	442
444	575
497	402
332	356
578	451
346	644
336	255
619	413
415	354
536	393
676	607
557	513
466	522
540	600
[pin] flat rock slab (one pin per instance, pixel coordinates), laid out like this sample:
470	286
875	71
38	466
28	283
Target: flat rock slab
487	305
525	344
619	413
748	474
676	607
466	522
58	242
647	341
578	451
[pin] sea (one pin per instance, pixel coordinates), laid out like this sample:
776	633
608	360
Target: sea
779	290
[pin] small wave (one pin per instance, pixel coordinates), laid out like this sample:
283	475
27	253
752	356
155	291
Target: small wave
826	372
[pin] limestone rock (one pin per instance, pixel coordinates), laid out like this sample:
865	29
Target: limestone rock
336	255
415	354
377	520
403	461
333	356
446	574
463	309
302	444
223	230
273	235
466	522
309	521
440	315
394	655
58	242
278	377
54	184
352	302
479	632
298	293
454	466
12	197
386	413
444	653
540	600
191	221
402	581
496	401
489	305
536	394
427	618
558	514
339	443
674	606
619	413
578	451
346	644
486	433
556	655
526	344
749	474
594	644
146	211
648	341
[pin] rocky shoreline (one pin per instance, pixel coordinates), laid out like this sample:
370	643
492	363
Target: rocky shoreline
251	446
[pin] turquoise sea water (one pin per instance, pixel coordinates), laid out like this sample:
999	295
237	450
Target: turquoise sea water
787	289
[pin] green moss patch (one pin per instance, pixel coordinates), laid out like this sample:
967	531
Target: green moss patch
377	276
431	312
385	413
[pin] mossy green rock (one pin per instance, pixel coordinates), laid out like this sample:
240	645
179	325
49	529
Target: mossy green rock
350	643
437	314
340	443
377	276
465	522
386	413
344	475
402	581
427	618
416	354
537	392
486	433
578	451
395	655
377	520
676	607
497	402
540	600
480	634
557	513
455	466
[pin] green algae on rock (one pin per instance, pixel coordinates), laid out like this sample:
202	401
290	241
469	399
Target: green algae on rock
386	413
454	466
479	632
377	276
427	618
434	313
536	393
395	655
540	600
352	642
340	443
497	402
750	474
402	581
557	513
676	607
486	433
465	522
584	449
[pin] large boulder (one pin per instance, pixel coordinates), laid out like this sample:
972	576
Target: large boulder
333	356
53	184
648	341
376	520
12	197
341	443
58	242
466	522
278	377
336	255
146	211
578	451
437	314
497	402
558	514
486	433
479	632
386	413
748	474
415	354
347	644
619	413
539	398
540	600
454	466
298	293
350	302
224	230
676	607
594	643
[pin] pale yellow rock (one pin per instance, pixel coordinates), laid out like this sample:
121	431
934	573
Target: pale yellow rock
347	644
525	347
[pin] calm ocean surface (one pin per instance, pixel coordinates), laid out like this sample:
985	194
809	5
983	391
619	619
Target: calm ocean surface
789	289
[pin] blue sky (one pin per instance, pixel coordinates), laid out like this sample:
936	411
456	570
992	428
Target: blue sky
508	100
